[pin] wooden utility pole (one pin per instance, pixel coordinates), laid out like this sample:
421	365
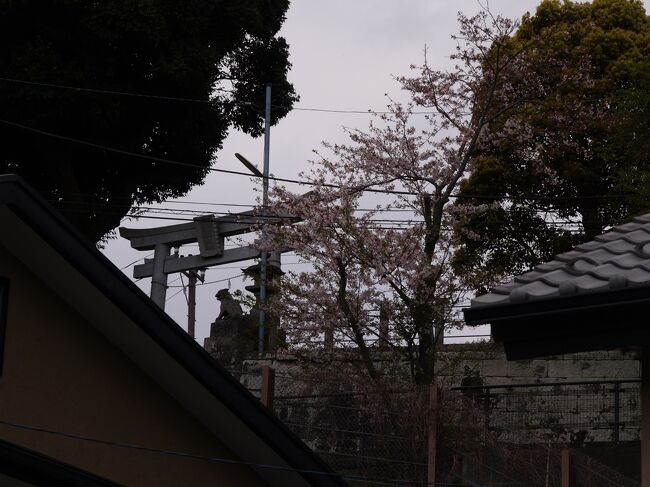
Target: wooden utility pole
192	277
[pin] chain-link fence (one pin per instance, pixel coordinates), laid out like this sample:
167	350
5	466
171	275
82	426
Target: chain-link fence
377	435
487	435
570	412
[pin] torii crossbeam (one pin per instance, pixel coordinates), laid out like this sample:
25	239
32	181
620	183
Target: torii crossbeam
206	230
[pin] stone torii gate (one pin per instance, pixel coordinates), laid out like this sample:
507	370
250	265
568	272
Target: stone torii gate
208	231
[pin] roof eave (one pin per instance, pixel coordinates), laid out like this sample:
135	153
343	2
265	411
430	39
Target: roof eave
579	323
490	314
30	207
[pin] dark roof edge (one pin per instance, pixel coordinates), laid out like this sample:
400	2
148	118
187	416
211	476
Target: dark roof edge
547	307
94	266
29	466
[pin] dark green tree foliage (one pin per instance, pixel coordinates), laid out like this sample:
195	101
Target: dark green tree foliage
219	51
578	154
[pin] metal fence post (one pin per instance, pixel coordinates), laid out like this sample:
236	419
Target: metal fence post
486	409
617	410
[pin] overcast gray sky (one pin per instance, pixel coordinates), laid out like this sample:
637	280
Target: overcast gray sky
345	54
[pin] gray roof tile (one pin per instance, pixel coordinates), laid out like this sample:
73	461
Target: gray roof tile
637	236
549	266
505	288
639	276
620	246
628	227
583	265
570	255
629	261
490	298
594	244
607	237
556	277
617	259
528	277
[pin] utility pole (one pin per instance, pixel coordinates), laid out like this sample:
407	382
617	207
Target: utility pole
265	202
192	277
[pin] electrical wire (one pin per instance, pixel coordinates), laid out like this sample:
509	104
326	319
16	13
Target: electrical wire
255	220
218	281
199	100
526	198
136	261
187	300
104	92
175	294
361	189
211	459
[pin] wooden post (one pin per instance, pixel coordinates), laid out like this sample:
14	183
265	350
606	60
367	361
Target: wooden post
328	341
192	277
433	434
191	303
268	386
383	326
645	417
567	468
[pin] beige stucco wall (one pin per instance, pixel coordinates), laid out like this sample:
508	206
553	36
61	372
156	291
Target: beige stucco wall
61	374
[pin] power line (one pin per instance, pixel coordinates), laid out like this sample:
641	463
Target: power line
181	211
211	459
523	197
215	282
199	100
187	300
135	262
104	92
361	189
237	218
175	294
374	223
353	112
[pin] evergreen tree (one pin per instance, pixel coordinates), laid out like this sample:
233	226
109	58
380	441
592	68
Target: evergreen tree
558	171
220	53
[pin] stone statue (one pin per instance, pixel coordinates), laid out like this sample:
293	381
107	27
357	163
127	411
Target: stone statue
230	309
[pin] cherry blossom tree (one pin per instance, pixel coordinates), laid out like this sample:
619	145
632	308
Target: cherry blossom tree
390	263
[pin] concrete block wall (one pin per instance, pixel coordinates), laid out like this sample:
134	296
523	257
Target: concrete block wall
494	369
573	414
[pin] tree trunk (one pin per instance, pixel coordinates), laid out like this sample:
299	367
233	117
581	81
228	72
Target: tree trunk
591	221
91	215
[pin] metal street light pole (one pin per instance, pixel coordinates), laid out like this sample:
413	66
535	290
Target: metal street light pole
265	202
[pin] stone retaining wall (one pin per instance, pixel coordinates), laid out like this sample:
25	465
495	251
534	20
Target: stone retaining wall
577	413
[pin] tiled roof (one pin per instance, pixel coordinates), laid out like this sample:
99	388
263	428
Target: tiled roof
617	259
